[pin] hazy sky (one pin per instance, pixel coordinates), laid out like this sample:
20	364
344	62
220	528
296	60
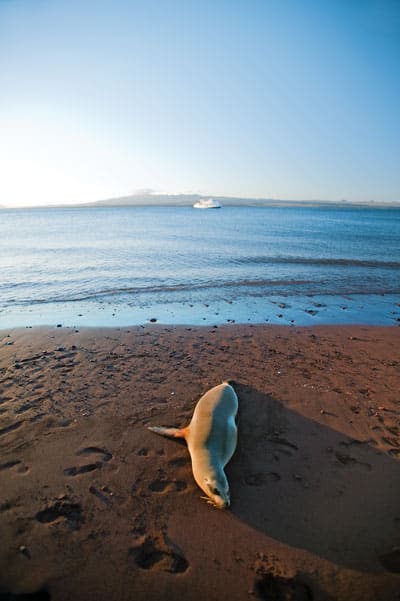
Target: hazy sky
284	99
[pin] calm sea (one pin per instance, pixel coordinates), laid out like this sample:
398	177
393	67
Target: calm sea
127	265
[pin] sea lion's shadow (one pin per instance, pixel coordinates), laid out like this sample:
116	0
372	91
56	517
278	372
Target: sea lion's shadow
312	487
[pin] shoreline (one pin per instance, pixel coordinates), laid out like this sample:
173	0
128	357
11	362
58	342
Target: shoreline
93	505
299	311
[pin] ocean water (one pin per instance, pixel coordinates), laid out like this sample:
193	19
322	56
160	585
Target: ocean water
129	265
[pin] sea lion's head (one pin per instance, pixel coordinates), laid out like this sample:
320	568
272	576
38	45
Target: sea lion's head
217	489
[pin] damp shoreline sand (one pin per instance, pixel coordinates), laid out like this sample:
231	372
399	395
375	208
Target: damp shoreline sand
94	506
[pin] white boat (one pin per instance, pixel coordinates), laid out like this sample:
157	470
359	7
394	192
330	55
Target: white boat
207	203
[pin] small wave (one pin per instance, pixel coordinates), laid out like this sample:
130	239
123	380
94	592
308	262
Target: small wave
247	287
113	292
264	260
193	286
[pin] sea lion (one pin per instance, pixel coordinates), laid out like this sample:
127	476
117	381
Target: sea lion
211	438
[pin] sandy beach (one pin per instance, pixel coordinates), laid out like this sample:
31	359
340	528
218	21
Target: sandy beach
94	506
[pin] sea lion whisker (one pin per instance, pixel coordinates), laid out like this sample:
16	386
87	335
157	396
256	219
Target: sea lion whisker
207	500
210	502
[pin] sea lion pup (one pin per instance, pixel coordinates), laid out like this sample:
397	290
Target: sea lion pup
211	438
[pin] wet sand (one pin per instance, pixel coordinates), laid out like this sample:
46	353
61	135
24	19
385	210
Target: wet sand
94	506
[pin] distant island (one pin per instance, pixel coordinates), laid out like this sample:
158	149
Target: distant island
182	200
178	200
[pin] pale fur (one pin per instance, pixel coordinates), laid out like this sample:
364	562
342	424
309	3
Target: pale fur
211	438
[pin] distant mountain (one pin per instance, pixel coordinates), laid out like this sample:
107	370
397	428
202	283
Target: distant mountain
146	200
190	199
180	200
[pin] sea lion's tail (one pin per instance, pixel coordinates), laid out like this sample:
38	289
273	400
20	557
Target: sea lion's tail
169	432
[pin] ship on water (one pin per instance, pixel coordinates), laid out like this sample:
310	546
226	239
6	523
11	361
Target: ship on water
207	203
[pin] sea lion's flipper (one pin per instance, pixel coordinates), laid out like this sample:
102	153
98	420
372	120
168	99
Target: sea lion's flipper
169	432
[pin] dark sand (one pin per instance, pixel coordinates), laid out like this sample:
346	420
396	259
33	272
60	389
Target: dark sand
93	506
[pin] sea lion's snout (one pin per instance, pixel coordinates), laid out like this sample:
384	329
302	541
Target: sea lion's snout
220	503
217	490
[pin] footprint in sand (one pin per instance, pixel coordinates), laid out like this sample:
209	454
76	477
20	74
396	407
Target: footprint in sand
277	587
9	464
103	457
21	468
90	450
158	555
284	446
83	469
71	512
348	460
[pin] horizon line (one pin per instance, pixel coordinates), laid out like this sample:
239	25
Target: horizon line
182	199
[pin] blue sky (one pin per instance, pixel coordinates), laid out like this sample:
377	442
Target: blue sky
289	99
